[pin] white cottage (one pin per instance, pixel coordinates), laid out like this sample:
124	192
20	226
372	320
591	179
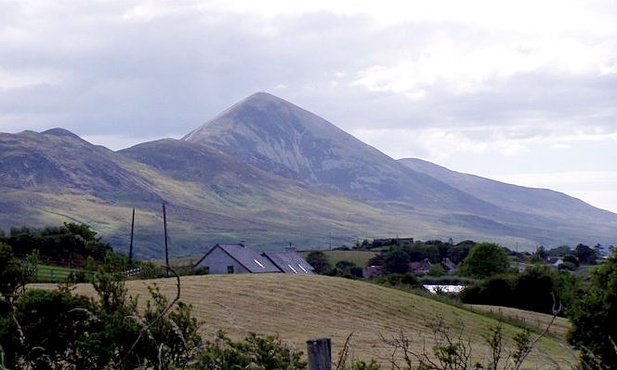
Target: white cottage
239	259
235	259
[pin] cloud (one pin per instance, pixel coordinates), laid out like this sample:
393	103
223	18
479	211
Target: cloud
472	85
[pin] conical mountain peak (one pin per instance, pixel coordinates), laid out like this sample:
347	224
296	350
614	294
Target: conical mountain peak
262	112
284	139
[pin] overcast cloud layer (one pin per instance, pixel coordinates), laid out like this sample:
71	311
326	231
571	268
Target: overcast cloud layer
524	91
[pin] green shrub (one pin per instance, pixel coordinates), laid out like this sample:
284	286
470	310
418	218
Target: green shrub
254	352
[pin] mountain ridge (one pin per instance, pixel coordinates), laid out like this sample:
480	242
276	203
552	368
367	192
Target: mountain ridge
271	172
512	195
306	147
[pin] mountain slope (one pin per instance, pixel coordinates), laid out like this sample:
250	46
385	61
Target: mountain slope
58	160
281	138
267	209
270	173
542	202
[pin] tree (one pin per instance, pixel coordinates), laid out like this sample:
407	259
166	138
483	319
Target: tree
47	340
437	270
347	269
457	253
496	290
420	251
542	252
82	230
594	317
320	262
532	291
484	260
396	261
585	254
539	256
14	273
562	250
70	242
571	259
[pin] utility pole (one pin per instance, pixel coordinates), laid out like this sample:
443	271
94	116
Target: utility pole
132	233
166	247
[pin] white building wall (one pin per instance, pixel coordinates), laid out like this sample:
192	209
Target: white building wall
218	261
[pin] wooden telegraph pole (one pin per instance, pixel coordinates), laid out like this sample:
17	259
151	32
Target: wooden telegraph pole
132	233
166	246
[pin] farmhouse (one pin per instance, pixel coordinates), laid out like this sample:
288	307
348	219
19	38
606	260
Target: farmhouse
240	259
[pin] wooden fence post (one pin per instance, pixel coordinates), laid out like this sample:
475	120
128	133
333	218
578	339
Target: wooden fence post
319	354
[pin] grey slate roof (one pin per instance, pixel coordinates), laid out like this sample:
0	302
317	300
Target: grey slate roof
289	262
248	258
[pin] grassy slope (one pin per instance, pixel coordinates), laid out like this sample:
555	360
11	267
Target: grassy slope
360	258
540	321
302	307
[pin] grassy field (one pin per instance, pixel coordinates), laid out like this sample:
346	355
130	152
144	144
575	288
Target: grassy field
53	274
533	319
360	258
302	307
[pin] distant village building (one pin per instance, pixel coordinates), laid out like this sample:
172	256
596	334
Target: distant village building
372	271
555	261
240	259
448	265
422	267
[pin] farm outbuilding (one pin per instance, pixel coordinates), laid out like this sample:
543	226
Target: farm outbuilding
240	259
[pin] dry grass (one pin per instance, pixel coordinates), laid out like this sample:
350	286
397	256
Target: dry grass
302	307
540	321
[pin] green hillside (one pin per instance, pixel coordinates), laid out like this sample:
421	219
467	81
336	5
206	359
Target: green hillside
302	307
270	173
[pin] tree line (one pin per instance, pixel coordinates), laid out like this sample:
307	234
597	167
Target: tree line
69	244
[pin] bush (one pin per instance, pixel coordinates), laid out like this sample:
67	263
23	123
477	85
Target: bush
56	329
401	281
494	291
254	352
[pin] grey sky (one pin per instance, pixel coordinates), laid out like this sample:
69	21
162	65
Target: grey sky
519	91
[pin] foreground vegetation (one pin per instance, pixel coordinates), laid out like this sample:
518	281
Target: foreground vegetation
298	308
263	321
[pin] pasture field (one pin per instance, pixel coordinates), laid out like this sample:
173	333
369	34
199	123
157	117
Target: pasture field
360	258
539	321
53	274
298	308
